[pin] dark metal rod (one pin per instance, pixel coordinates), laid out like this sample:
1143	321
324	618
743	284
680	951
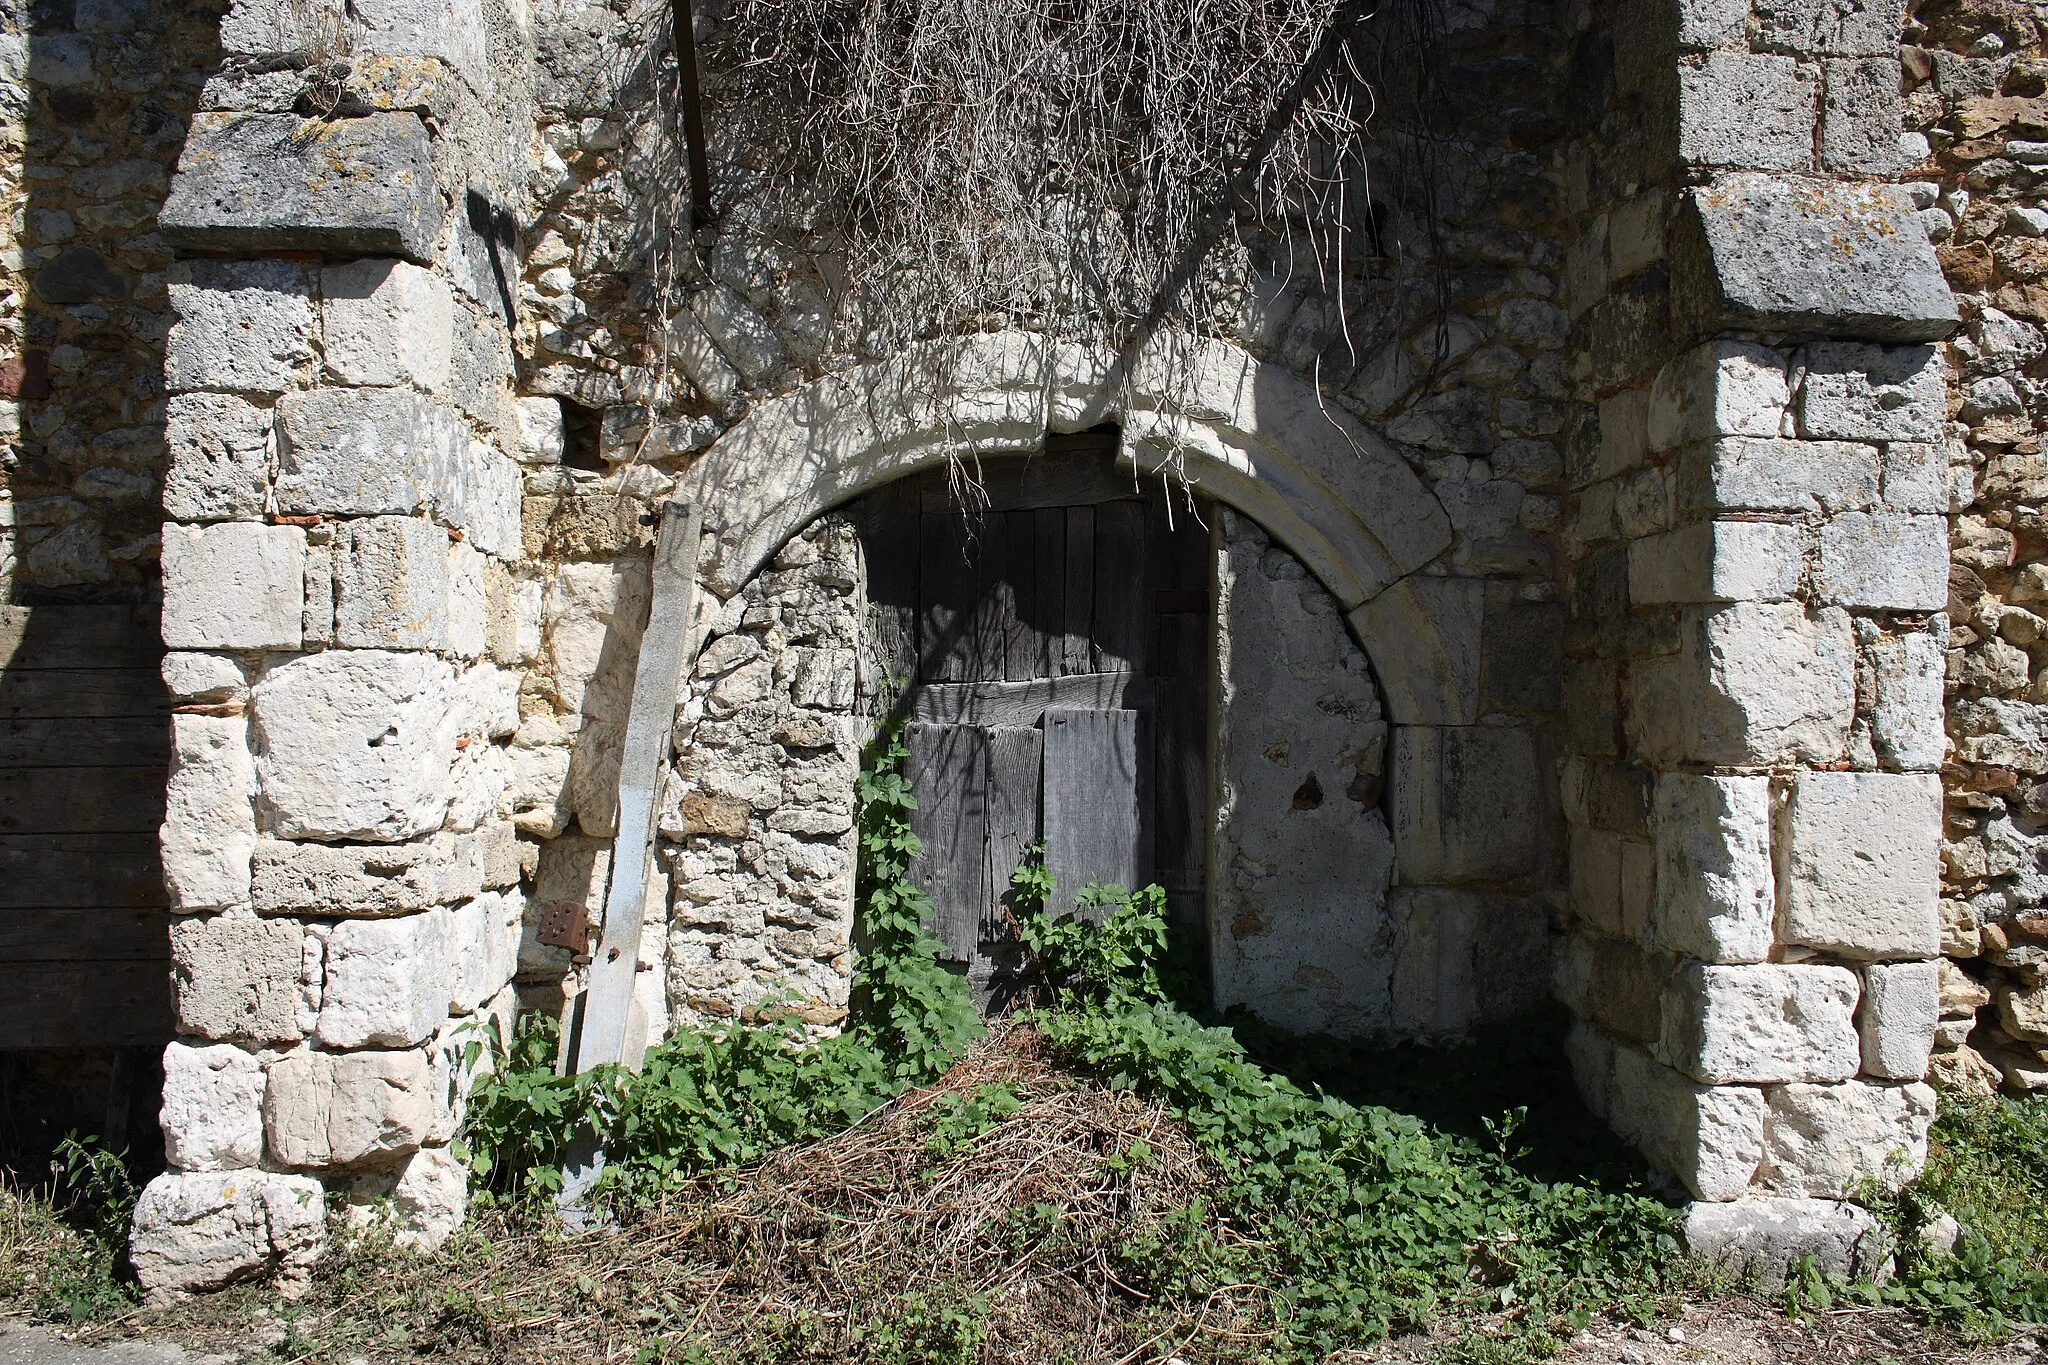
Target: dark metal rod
693	116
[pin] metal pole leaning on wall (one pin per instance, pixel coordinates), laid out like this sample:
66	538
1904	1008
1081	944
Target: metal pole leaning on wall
692	100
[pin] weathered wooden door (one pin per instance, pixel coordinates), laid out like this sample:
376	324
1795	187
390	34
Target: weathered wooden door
1055	645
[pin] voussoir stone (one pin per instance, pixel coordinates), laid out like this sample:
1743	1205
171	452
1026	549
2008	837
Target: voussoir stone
251	183
198	1230
1761	1023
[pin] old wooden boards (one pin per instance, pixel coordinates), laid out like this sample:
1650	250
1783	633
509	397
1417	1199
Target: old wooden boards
85	733
1053	646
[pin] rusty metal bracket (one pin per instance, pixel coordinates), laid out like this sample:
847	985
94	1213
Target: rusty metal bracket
566	924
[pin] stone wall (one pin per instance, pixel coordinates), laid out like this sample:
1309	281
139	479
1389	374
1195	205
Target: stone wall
343	607
1975	84
1757	552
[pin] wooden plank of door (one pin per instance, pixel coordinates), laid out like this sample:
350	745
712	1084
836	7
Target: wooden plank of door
1024	703
1081	480
1123	601
84	741
1078	616
1049	546
83	692
85	1004
78	934
1024	647
945	589
70	871
1090	808
657	681
947	768
995	602
81	800
887	522
1180	790
78	637
1015	753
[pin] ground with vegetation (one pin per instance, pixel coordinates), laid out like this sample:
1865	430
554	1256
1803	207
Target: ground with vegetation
1107	1176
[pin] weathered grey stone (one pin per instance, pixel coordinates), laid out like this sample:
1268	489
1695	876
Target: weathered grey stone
1831	28
209	823
212	1115
1723	388
219	458
486	936
1906	672
1751	474
1858	863
191	676
1900	1010
1807	257
1449	825
1855	392
387	981
431	1198
356	744
1761	1023
233	585
391	585
1829	1141
356	1108
1736	109
1716	561
251	183
1861	115
242	326
1710	1137
365	452
386	322
373	880
79	275
1612	983
540	431
1715	898
237	977
1884	560
1753	682
1462	959
1762	1238
202	1230
1433	678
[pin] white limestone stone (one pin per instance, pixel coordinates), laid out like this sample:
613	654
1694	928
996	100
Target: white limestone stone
348	1109
540	432
1884	559
220	454
1590	1054
1858	864
1752	683
242	326
212	1115
486	502
1852	391
391	584
1907	673
366	452
209	827
1761	1023
233	585
375	880
1448	828
204	1229
1900	1011
1765	474
432	1199
593	618
1710	1137
387	981
387	323
1745	109
1715	899
1716	561
1724	388
1762	1238
237	977
1827	1141
356	744
467	609
199	677
486	936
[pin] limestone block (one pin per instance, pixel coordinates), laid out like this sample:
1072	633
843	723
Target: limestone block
1716	561
1595	877
1900	1010
1762	1238
1590	1054
467	609
237	977
593	616
356	744
233	585
1761	1023
1612	983
212	1113
1827	1141
387	323
1462	959
1854	392
540	432
486	934
219	458
1862	114
1740	109
1884	560
255	183
491	512
387	981
1906	673
209	822
432	1199
1786	254
1753	682
376	880
1715	898
348	1109
1724	388
1470	803
1916	477
391	584
191	676
1863	28
1710	1137
242	326
2023	1011
202	1230
1759	474
366	452
1858	864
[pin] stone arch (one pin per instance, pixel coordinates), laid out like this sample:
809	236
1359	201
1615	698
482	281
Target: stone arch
1249	435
